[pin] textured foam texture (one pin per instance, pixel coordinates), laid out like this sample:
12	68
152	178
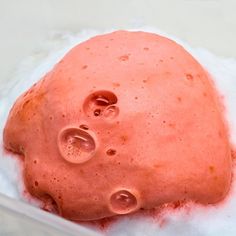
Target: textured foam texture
125	121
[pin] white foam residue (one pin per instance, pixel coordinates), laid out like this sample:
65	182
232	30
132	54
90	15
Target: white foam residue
199	221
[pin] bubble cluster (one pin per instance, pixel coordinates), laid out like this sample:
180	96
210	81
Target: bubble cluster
101	104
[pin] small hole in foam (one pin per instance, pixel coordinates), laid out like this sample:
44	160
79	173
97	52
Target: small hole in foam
97	112
85	127
111	152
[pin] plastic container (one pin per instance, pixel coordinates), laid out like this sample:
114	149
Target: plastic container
18	218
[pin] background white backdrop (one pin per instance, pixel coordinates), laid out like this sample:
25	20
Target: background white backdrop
24	24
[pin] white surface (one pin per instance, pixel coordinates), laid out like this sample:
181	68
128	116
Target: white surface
24	24
191	220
